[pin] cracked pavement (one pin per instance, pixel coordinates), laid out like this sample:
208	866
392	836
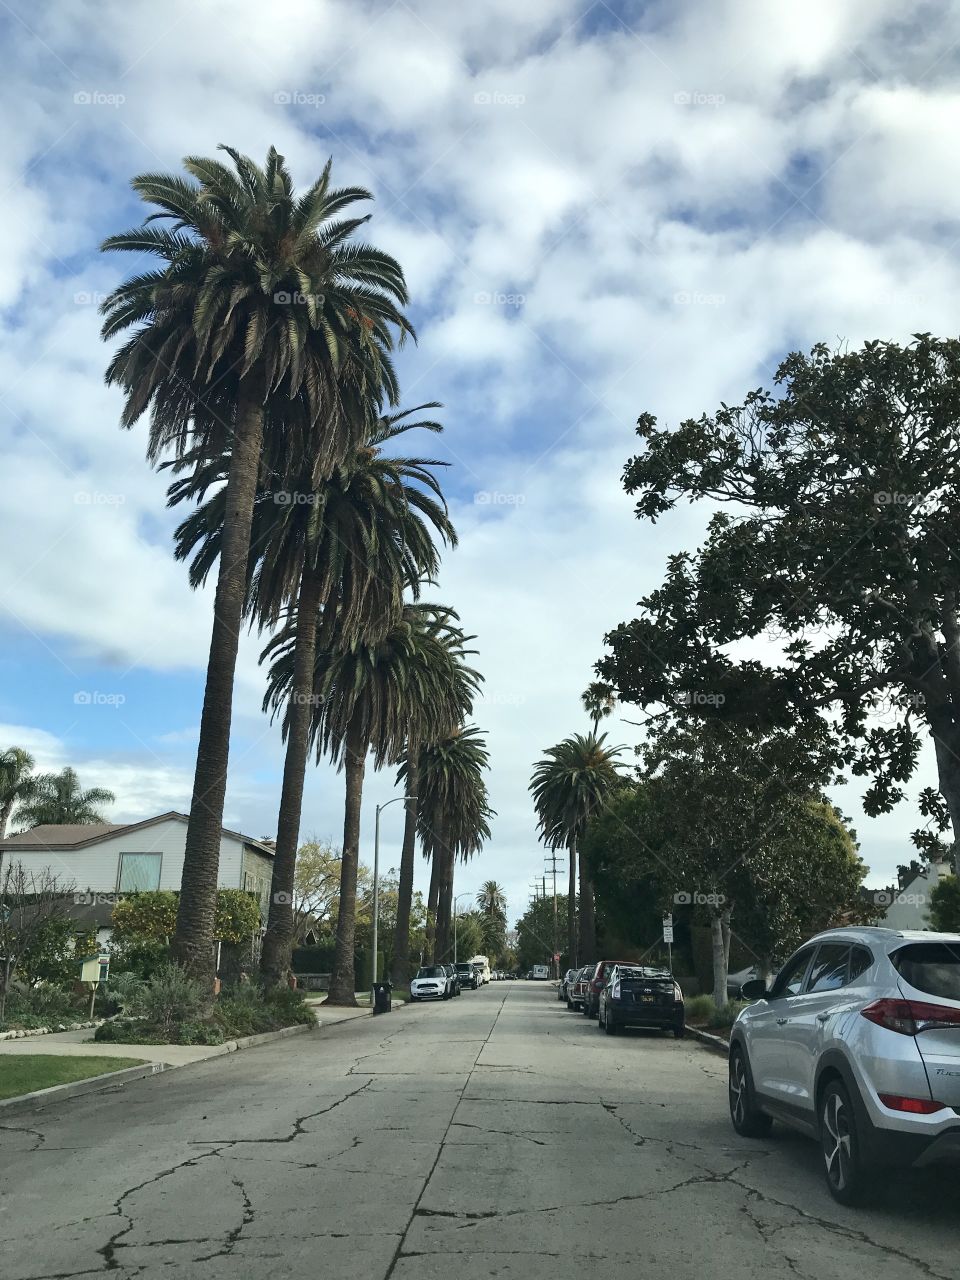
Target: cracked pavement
494	1135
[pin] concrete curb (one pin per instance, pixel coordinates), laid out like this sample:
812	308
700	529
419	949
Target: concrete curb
114	1079
716	1043
25	1033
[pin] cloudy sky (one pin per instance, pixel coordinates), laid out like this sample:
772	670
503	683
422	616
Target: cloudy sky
602	210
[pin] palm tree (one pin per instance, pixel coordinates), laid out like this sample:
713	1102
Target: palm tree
453	819
358	707
17	782
59	798
440	693
598	700
492	900
569	786
343	550
261	300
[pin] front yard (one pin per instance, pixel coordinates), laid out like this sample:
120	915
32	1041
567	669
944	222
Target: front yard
27	1072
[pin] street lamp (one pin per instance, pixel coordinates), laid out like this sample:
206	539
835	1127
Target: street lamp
376	890
455	901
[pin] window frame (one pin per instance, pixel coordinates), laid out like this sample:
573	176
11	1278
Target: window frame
843	943
810	952
139	853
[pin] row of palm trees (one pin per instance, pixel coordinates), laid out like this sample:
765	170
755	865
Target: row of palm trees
35	799
571	784
260	346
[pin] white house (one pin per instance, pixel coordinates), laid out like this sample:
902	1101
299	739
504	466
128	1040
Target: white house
909	906
97	862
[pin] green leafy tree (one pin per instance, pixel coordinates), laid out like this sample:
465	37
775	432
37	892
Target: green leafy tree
945	905
263	317
58	798
839	543
535	936
17	782
570	785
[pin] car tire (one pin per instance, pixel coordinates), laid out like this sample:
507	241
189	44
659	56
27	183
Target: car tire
679	1031
848	1180
569	1003
747	1118
610	1025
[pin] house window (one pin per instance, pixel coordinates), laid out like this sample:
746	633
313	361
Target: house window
139	872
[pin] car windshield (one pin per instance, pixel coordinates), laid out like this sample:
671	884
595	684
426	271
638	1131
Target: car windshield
933	967
464	968
652	975
432	971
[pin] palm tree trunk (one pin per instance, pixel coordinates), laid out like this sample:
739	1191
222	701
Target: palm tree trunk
572	960
400	974
343	979
444	912
433	899
278	941
193	941
588	927
5	813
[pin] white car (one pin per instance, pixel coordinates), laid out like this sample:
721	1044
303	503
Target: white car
857	1044
431	983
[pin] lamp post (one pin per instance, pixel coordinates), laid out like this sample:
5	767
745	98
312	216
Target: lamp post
376	889
455	901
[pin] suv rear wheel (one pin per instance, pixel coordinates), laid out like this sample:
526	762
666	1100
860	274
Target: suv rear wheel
847	1179
748	1120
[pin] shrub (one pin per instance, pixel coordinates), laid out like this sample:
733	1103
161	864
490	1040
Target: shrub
172	997
700	1008
128	991
139	956
726	1015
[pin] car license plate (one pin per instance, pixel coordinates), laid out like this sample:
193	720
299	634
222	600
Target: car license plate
646	999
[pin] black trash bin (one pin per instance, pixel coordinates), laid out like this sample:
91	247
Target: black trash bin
382	1002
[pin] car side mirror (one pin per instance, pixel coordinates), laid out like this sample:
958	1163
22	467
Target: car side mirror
755	989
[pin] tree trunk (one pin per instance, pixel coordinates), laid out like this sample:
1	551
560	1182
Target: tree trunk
5	813
193	941
400	971
588	930
946	741
343	980
719	960
433	898
572	961
444	909
278	940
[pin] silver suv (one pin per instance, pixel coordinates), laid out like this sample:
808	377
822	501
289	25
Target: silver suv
856	1043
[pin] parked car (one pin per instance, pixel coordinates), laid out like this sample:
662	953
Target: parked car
431	983
564	984
577	989
468	976
598	980
640	996
454	979
857	1044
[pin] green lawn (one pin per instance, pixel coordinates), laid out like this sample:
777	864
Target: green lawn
26	1072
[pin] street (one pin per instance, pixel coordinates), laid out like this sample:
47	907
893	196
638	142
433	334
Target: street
494	1135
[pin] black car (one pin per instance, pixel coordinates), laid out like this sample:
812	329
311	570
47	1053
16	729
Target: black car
638	996
468	976
454	979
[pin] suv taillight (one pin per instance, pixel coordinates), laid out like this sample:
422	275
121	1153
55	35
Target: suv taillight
914	1106
910	1017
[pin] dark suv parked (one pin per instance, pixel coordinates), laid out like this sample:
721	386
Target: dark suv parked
468	976
639	996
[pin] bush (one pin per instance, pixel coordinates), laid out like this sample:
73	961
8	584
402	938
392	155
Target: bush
726	1015
140	956
42	1006
172	997
128	992
700	1009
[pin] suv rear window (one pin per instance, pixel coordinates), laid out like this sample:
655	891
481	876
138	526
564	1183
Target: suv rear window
933	967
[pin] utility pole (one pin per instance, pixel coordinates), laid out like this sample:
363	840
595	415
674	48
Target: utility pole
551	859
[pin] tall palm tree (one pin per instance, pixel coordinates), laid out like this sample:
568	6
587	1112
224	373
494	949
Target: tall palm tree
261	299
440	693
453	819
17	782
59	798
331	560
598	700
570	784
492	900
358	708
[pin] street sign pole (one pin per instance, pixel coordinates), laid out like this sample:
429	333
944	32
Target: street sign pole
668	939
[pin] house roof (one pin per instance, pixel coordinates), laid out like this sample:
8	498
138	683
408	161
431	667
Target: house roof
63	837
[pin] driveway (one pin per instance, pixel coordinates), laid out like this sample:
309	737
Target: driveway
493	1135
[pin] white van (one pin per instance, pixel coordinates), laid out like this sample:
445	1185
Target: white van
482	964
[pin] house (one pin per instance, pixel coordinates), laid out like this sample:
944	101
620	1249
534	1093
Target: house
908	906
96	863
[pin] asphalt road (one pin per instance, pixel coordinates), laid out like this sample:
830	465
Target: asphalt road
494	1135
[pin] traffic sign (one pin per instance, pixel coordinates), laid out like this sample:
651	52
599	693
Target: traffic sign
668	932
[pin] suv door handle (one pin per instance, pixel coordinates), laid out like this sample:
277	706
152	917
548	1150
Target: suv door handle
823	1017
781	1022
